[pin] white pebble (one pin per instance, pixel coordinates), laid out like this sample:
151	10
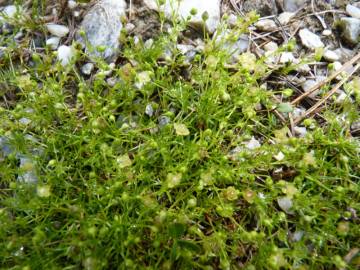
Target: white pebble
65	54
252	144
341	97
57	29
327	32
353	11
53	42
285	204
87	68
331	56
129	27
285	17
287	57
72	4
8	11
271	46
300	131
309	39
280	156
266	25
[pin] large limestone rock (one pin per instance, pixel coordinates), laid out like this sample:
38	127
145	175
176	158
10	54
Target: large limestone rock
184	7
102	26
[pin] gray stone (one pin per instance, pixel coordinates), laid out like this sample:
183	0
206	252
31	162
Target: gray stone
271	46
287	57
350	28
184	9
72	4
262	7
330	56
300	131
7	12
102	26
353	11
149	110
309	39
308	84
285	17
5	147
285	204
266	25
2	52
163	121
65	54
57	29
53	42
28	175
293	5
87	68
344	54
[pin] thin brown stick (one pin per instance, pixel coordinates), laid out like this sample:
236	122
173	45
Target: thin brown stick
316	107
328	79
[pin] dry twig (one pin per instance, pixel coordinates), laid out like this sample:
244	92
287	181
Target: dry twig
316	107
328	79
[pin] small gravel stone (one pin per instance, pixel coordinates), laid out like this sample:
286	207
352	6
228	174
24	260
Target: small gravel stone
232	20
24	121
184	48
53	42
309	39
293	5
129	27
308	84
300	131
8	12
72	4
266	25
102	26
29	175
330	56
279	156
342	96
2	52
271	46
57	29
5	147
149	110
297	236
163	121
285	17
344	54
285	204
303	68
148	43
327	32
87	68
252	144
287	57
65	54
350	30
262	7
76	13
353	11
298	111
112	81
